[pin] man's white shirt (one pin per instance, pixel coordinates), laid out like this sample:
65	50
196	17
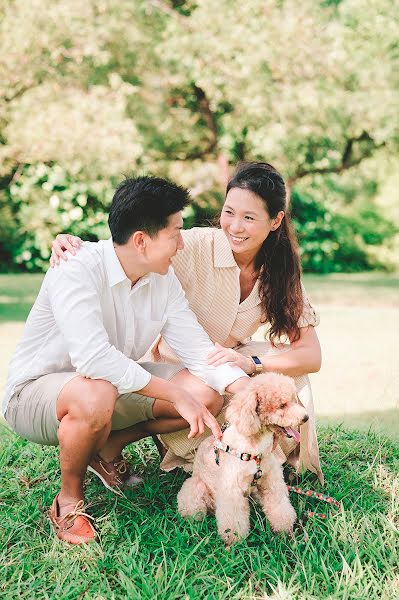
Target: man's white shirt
88	318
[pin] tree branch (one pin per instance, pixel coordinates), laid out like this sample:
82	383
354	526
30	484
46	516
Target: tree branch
19	92
169	10
347	161
208	116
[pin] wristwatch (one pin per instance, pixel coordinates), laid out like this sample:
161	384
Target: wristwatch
258	365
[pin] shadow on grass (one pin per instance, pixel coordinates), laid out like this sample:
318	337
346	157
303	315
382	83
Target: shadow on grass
381	422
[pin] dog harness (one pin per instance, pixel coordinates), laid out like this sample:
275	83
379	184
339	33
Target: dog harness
245	456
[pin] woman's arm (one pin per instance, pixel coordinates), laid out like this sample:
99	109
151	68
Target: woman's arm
303	357
63	242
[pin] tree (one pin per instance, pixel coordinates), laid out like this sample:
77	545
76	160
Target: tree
313	88
185	88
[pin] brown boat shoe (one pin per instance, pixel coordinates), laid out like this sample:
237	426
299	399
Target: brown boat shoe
114	474
74	527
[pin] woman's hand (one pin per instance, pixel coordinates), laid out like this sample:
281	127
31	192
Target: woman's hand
221	355
59	247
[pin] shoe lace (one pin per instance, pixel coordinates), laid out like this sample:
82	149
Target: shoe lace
67	520
121	466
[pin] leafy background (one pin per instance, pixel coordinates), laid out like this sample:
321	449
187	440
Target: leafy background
91	91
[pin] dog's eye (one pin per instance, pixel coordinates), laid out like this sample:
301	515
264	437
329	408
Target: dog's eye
284	405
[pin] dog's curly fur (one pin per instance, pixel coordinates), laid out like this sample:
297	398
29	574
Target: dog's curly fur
255	417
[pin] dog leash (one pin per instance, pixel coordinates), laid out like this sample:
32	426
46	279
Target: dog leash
247	456
318	496
311	513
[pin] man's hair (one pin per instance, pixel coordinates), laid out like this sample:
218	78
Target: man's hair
144	204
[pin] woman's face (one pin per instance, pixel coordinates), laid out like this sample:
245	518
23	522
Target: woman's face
246	222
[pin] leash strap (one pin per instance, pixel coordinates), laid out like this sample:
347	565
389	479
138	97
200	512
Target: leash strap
247	456
318	496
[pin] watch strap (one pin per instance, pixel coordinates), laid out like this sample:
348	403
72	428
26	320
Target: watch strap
258	365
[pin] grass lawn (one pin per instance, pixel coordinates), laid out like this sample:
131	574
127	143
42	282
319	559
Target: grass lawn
147	551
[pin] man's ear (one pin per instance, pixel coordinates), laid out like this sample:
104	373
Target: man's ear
138	241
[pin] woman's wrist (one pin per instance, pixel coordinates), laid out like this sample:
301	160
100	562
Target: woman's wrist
251	367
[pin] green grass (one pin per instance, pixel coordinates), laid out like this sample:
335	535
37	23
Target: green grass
146	551
354	289
18	291
17	294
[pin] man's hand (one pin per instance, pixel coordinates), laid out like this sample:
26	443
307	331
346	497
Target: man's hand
196	415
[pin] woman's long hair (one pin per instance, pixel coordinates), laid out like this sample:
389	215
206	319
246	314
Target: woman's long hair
278	260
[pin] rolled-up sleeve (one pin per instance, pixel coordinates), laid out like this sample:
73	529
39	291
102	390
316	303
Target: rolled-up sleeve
191	344
74	295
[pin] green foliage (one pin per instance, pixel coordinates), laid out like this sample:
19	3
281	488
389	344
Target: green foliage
46	200
332	241
100	89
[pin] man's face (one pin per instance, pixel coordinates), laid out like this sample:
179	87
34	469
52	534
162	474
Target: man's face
161	248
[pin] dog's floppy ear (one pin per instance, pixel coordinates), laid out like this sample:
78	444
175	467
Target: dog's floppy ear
241	412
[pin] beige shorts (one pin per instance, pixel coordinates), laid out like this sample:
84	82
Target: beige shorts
32	412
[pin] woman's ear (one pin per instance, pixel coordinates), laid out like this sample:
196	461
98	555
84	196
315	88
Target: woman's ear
241	413
276	222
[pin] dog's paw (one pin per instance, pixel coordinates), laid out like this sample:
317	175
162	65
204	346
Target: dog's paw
230	537
233	534
192	514
282	518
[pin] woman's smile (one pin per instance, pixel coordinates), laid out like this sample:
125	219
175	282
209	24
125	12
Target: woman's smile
237	240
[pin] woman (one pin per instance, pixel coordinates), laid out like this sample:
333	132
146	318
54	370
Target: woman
236	278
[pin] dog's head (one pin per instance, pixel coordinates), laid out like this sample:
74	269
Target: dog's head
270	402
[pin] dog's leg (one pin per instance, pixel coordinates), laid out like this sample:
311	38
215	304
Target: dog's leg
273	496
193	498
232	512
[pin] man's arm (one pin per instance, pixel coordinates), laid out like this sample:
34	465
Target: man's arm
192	344
74	294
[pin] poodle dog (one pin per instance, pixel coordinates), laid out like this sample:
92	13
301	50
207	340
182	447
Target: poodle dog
227	471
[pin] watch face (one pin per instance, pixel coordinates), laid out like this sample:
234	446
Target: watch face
256	360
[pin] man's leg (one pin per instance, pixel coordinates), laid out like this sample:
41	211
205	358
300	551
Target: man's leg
84	409
166	418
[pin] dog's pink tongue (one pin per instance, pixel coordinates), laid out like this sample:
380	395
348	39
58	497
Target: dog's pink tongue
293	433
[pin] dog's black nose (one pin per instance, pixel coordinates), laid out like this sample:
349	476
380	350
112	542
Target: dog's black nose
305	419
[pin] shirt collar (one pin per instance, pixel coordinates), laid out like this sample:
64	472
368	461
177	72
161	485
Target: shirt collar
113	267
222	253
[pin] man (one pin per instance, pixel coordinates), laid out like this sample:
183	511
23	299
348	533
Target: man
74	379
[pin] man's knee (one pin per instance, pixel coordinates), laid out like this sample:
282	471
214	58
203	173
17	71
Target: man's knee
212	400
200	390
88	400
